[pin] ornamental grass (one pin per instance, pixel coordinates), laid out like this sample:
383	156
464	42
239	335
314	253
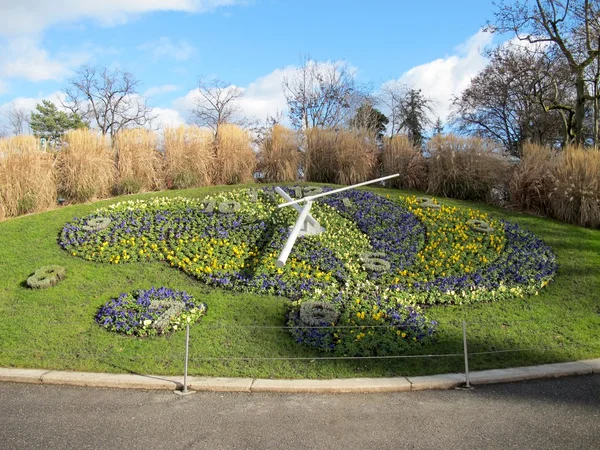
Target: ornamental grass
531	181
234	160
139	163
279	157
465	168
575	197
188	157
400	156
86	166
339	156
27	177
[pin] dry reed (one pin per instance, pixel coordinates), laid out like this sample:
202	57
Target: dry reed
188	157
27	178
465	168
576	194
400	156
339	156
86	166
532	180
235	160
139	163
279	156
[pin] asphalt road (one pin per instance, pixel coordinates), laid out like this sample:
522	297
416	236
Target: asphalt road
557	414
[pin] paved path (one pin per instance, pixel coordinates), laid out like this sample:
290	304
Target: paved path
551	414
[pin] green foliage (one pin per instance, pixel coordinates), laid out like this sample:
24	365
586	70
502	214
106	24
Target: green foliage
128	185
370	118
413	116
369	328
51	124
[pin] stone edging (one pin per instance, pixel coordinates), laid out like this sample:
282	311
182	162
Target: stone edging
342	385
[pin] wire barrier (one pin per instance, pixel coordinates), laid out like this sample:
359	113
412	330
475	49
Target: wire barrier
458	340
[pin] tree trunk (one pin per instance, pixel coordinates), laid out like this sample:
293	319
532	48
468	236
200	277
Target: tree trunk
576	135
596	82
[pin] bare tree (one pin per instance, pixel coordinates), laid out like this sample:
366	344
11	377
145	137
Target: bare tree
391	95
18	119
216	104
505	101
569	27
321	94
107	99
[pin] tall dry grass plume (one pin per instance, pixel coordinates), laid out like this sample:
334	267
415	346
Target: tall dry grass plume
279	157
400	156
188	157
576	194
139	163
532	179
27	177
86	166
466	168
235	161
339	156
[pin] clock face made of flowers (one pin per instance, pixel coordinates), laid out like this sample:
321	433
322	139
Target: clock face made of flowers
373	253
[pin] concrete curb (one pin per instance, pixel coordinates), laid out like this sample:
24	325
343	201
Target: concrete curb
343	385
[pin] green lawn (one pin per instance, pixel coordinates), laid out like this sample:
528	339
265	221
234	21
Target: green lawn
54	328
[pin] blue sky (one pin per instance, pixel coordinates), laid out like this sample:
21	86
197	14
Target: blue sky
167	44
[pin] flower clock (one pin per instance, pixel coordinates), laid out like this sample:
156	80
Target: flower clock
357	288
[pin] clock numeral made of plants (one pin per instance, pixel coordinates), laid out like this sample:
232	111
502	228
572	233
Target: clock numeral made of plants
369	257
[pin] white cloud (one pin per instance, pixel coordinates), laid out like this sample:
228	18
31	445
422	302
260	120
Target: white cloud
166	117
264	97
22	58
259	99
165	47
158	90
444	78
33	16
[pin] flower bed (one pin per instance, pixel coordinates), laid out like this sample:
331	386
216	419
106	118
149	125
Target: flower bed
390	255
155	311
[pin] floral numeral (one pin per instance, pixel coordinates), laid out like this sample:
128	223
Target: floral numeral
348	203
253	193
174	307
312	190
229	207
373	262
480	225
426	202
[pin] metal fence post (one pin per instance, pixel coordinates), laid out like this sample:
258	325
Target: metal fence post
467	382
185	390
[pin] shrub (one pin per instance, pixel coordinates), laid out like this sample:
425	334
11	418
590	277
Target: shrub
465	168
27	177
86	166
400	156
139	163
188	157
339	156
46	276
128	185
234	159
279	156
